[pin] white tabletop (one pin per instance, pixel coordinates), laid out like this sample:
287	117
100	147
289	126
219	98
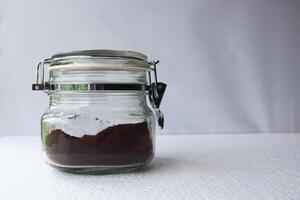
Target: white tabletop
231	166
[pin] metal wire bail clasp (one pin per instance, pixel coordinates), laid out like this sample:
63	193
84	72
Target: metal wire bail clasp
156	93
40	81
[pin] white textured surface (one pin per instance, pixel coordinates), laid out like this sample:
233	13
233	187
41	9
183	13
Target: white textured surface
251	166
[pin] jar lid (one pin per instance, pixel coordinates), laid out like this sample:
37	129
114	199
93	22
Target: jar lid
99	59
102	53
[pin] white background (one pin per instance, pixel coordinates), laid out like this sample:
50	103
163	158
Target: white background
231	66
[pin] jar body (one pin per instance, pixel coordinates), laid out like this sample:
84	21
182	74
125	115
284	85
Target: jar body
99	117
101	132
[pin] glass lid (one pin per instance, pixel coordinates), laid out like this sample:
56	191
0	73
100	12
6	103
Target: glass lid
102	53
99	59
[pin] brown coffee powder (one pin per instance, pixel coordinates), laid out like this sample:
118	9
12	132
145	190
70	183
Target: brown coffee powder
121	144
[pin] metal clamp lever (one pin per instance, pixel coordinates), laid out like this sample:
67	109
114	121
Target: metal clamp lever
156	93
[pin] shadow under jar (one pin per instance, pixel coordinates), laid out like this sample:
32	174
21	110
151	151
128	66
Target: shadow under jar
102	111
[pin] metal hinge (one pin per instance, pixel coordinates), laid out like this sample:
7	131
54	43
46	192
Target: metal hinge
40	83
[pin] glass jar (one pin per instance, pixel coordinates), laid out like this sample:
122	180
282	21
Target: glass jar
102	110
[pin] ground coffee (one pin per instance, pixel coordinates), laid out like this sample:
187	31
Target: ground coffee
122	144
